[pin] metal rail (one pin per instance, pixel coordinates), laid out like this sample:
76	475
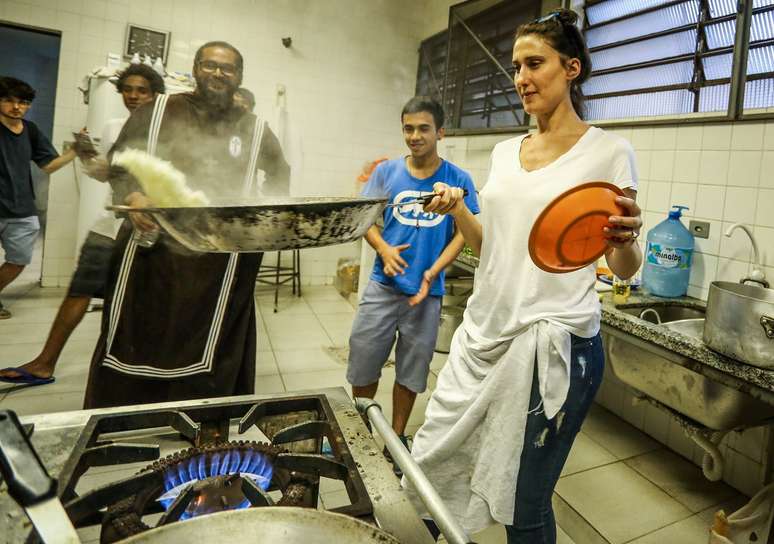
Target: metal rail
744	10
449	526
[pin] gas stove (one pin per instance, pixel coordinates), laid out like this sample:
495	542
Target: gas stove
122	471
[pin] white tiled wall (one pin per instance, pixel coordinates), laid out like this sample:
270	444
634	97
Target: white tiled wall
351	68
723	172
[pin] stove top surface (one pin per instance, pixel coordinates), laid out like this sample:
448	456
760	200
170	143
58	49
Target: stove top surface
123	470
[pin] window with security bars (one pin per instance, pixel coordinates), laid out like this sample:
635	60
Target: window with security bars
432	66
759	86
660	57
468	66
649	58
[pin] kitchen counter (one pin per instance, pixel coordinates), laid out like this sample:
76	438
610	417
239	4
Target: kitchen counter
467	262
758	382
691	352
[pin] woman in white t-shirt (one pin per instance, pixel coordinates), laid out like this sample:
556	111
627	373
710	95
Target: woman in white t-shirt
527	361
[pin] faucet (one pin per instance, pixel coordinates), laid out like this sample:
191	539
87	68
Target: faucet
647	311
757	275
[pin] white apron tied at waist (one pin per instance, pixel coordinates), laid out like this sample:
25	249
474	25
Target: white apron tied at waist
470	446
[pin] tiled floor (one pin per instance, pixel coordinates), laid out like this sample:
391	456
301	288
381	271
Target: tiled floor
618	486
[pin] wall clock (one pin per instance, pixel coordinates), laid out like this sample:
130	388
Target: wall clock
146	41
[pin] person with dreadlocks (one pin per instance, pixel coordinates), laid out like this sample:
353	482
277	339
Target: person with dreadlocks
526	362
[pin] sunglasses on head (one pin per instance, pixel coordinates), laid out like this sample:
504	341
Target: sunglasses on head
544	18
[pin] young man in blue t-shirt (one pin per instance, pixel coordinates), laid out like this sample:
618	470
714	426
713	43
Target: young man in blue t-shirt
404	293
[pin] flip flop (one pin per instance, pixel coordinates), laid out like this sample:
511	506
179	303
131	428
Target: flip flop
25	378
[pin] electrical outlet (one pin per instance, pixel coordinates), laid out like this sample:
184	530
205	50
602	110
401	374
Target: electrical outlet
700	229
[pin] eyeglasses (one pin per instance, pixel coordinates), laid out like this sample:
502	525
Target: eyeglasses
16	102
209	67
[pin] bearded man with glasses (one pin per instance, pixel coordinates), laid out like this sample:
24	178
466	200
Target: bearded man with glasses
177	324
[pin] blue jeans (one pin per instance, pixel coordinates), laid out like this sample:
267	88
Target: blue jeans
547	444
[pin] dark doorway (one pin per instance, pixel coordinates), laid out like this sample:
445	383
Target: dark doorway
32	55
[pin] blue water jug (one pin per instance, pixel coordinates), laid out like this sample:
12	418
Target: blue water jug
668	256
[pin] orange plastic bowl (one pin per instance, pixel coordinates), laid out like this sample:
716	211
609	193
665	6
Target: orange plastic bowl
568	234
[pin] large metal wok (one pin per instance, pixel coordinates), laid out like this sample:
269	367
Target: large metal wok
268	225
277	524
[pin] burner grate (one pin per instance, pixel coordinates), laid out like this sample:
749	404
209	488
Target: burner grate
213	474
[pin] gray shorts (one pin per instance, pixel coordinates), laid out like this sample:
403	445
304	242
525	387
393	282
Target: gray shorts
384	312
17	236
91	274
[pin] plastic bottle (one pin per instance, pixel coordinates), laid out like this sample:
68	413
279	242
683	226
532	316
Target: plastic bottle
158	66
145	238
668	256
621	290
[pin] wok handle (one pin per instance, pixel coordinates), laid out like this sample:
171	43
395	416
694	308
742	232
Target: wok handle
120	208
27	480
449	526
424	200
427	198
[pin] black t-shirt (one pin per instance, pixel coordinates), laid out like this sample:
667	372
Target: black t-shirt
17	195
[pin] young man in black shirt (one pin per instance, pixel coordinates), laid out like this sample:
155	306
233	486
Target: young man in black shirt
21	141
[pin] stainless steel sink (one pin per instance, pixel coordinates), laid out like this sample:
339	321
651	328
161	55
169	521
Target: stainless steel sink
664	313
689	327
663	375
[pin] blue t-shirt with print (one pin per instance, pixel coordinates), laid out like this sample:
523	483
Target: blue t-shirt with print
427	233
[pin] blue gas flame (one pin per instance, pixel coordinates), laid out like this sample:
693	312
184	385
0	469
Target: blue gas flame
248	463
